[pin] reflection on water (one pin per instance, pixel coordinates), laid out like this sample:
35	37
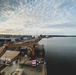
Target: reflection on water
60	55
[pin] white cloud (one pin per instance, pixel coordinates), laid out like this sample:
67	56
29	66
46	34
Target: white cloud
48	16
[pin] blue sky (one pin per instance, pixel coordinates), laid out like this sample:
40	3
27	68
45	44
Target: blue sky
38	17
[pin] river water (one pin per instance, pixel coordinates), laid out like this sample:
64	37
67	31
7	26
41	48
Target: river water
60	55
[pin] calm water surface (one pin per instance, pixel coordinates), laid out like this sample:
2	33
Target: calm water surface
60	54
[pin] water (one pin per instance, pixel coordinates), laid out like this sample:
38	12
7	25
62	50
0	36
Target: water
60	55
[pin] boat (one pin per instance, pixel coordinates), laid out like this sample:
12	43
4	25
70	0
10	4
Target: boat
30	58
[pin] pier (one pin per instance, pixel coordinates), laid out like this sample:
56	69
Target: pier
13	54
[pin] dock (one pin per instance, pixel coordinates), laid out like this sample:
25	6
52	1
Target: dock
26	69
23	65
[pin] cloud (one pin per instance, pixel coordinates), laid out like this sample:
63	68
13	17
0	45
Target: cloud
30	16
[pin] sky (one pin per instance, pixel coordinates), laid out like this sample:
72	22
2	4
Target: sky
54	17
